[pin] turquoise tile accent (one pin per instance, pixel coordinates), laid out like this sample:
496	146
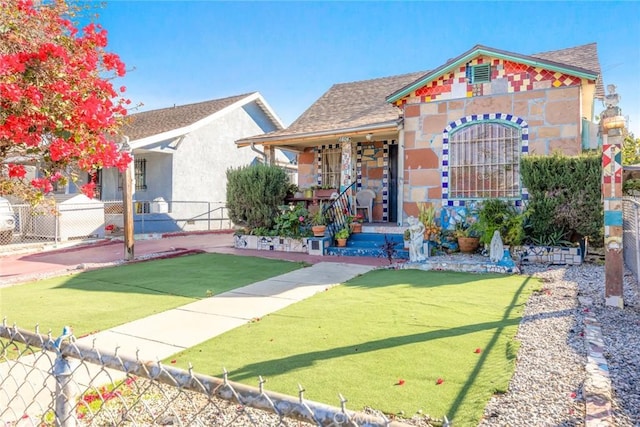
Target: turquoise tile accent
613	218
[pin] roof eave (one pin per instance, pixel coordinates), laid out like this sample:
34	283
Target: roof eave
465	57
306	137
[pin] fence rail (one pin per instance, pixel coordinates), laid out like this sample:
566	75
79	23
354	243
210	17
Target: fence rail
631	234
63	383
63	221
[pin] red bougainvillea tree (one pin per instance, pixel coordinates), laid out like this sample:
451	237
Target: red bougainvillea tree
58	106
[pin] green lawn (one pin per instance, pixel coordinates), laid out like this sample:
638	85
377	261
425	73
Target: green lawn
101	299
361	338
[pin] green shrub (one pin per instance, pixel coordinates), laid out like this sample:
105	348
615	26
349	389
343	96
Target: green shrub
564	197
497	214
255	193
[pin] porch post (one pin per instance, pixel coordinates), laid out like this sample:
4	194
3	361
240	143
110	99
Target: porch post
346	165
400	180
611	124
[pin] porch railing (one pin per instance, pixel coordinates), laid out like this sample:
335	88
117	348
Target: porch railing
339	210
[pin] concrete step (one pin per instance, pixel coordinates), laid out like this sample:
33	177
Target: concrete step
371	245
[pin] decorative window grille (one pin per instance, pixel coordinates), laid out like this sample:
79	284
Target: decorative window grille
139	174
330	167
484	161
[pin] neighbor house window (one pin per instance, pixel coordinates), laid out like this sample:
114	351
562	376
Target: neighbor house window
330	166
484	161
139	174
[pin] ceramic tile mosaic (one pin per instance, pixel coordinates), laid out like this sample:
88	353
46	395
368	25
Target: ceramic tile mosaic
524	127
520	77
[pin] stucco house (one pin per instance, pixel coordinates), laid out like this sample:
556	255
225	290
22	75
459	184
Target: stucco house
449	136
180	158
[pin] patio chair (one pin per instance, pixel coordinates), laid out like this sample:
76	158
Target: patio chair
364	200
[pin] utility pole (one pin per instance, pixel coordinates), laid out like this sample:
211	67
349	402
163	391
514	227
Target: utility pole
127	201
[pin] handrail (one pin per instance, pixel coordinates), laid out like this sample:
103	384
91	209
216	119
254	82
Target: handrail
338	211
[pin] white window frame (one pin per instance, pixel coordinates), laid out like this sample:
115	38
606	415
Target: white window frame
330	166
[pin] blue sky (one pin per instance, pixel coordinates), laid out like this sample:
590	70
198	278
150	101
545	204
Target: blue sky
292	52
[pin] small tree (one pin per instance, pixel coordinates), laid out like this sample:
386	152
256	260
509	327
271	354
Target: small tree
58	107
254	194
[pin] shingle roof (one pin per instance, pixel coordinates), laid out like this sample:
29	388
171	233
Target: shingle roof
142	125
364	103
585	56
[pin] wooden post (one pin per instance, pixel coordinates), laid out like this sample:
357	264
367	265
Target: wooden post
127	201
611	124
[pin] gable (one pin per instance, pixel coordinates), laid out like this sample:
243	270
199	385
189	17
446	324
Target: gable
505	76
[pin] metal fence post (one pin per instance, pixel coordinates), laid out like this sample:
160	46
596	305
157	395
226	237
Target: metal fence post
64	397
64	393
208	216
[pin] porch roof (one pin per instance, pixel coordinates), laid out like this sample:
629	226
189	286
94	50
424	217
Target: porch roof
354	108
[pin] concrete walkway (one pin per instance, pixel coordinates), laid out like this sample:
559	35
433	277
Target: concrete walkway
163	334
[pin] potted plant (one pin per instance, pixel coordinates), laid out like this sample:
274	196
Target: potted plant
427	216
341	236
319	222
355	222
468	237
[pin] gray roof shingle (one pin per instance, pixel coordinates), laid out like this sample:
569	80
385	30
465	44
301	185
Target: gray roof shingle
361	103
148	123
585	56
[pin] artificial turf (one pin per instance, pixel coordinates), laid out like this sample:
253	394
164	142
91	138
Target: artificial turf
100	299
383	340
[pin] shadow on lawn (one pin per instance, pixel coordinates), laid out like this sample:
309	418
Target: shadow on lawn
290	363
415	277
278	366
455	406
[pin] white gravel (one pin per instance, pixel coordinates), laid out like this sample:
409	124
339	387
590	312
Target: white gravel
547	387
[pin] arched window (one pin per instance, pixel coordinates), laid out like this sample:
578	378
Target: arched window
484	161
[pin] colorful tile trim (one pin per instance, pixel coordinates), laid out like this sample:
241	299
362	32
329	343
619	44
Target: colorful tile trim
503	117
520	78
358	167
597	387
385	181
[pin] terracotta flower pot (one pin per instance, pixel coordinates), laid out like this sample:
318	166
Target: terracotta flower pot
356	227
341	242
468	244
318	230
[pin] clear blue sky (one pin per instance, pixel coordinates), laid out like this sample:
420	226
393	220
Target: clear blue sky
292	52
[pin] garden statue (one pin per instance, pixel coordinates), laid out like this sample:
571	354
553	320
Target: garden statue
416	228
497	247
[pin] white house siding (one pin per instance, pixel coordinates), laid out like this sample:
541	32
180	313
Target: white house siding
201	161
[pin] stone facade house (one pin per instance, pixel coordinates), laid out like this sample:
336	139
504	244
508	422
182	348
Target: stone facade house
451	135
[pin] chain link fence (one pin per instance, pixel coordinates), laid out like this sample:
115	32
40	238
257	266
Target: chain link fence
631	235
63	219
62	383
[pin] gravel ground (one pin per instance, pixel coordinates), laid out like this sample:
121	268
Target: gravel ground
547	387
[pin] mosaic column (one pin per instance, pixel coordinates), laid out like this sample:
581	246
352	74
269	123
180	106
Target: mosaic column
345	165
611	123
